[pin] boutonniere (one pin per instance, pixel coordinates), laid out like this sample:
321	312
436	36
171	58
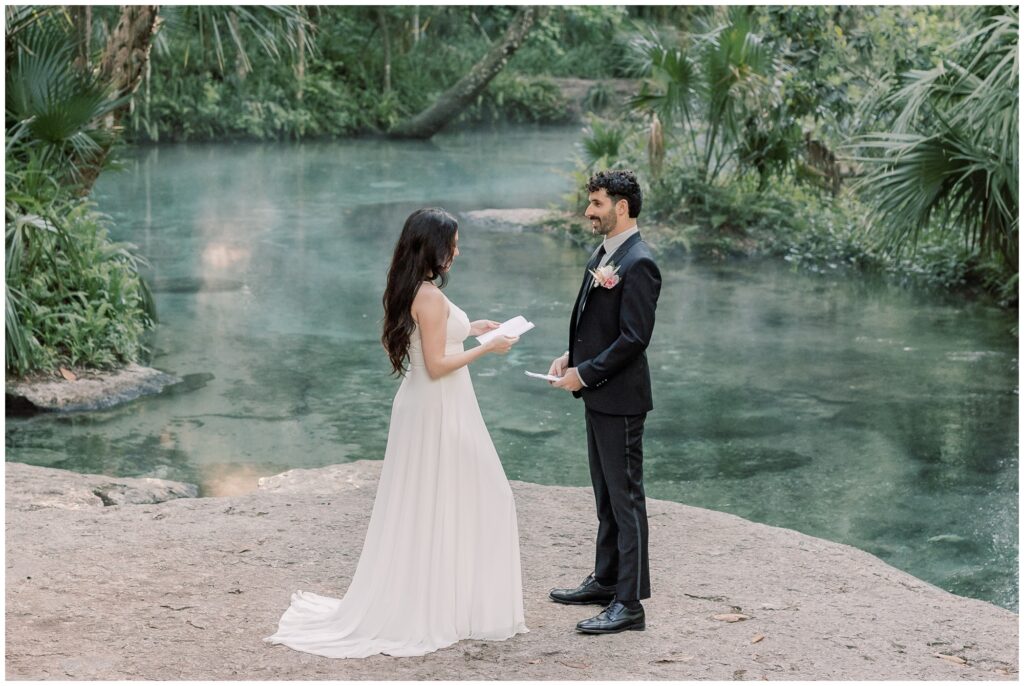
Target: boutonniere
606	276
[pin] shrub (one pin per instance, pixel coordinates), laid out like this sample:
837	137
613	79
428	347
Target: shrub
74	297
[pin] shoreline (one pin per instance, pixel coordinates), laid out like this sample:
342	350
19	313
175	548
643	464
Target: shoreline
200	581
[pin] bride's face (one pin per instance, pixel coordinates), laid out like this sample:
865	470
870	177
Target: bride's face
455	252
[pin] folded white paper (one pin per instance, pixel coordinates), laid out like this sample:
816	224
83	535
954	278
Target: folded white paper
546	377
513	327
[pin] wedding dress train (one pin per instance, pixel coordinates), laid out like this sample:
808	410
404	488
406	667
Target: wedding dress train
440	561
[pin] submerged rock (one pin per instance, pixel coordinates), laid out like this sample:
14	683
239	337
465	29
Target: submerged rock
187	284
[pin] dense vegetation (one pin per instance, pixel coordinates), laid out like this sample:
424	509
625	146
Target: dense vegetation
874	137
859	137
367	68
73	297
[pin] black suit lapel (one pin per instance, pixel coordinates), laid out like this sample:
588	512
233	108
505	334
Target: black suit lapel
588	282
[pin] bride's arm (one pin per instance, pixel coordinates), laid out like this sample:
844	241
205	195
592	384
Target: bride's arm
431	312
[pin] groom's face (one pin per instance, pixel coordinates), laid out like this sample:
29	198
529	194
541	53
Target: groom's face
602	212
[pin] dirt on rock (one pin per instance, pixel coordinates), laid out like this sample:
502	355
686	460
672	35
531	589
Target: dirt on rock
188	588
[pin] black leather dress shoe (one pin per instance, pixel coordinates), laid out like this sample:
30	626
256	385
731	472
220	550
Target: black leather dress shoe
615	618
586	593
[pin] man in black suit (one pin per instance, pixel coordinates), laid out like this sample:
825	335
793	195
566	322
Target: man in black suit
606	365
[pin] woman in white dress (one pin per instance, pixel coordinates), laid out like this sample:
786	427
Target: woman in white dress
440	562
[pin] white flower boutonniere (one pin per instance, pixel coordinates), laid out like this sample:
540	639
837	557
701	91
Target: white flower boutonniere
606	276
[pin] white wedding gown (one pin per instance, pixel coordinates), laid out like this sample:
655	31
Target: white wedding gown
440	562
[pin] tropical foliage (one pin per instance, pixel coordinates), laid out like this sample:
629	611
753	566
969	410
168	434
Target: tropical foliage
53	109
743	111
367	69
748	125
72	296
718	86
948	157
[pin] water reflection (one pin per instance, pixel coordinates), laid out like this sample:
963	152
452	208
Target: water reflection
230	478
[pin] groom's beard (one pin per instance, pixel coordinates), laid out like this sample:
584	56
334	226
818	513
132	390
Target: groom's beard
605	224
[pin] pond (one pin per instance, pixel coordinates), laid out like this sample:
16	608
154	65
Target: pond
829	404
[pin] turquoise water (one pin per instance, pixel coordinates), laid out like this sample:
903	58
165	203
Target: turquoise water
845	409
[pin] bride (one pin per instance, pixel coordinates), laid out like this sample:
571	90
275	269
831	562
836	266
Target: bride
440	561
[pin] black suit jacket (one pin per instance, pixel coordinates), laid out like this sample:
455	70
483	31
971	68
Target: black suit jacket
608	339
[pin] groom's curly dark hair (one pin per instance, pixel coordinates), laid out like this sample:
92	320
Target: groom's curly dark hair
619	184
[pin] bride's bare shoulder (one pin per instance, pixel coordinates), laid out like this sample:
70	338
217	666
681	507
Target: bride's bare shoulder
428	293
429	301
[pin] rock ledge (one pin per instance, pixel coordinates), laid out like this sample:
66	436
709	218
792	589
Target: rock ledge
32	488
188	588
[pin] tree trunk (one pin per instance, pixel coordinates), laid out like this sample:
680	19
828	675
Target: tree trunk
453	101
300	68
242	64
386	37
82	16
123	65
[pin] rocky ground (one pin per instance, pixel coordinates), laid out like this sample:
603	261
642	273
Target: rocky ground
187	588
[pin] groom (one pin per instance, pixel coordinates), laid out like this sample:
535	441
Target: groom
606	365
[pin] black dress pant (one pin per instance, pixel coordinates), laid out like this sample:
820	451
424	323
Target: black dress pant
615	448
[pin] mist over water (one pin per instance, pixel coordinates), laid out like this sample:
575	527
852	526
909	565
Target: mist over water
842	408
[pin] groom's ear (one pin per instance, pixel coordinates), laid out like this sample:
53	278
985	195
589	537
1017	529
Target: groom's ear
623	205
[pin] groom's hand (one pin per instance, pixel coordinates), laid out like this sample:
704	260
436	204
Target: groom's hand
558	366
570	381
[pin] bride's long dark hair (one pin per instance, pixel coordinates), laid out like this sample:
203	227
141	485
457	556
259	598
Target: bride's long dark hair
423	252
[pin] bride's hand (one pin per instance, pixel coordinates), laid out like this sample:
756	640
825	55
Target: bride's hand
501	344
482	326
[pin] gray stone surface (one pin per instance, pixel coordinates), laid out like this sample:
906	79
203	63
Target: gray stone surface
187	589
94	390
29	487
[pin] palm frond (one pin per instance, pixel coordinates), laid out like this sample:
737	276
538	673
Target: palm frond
53	108
602	143
941	177
951	155
270	27
18	340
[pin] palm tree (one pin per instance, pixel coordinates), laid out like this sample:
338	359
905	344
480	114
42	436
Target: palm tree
54	111
716	85
950	153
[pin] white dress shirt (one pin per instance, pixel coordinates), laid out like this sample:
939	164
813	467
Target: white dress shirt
613	244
